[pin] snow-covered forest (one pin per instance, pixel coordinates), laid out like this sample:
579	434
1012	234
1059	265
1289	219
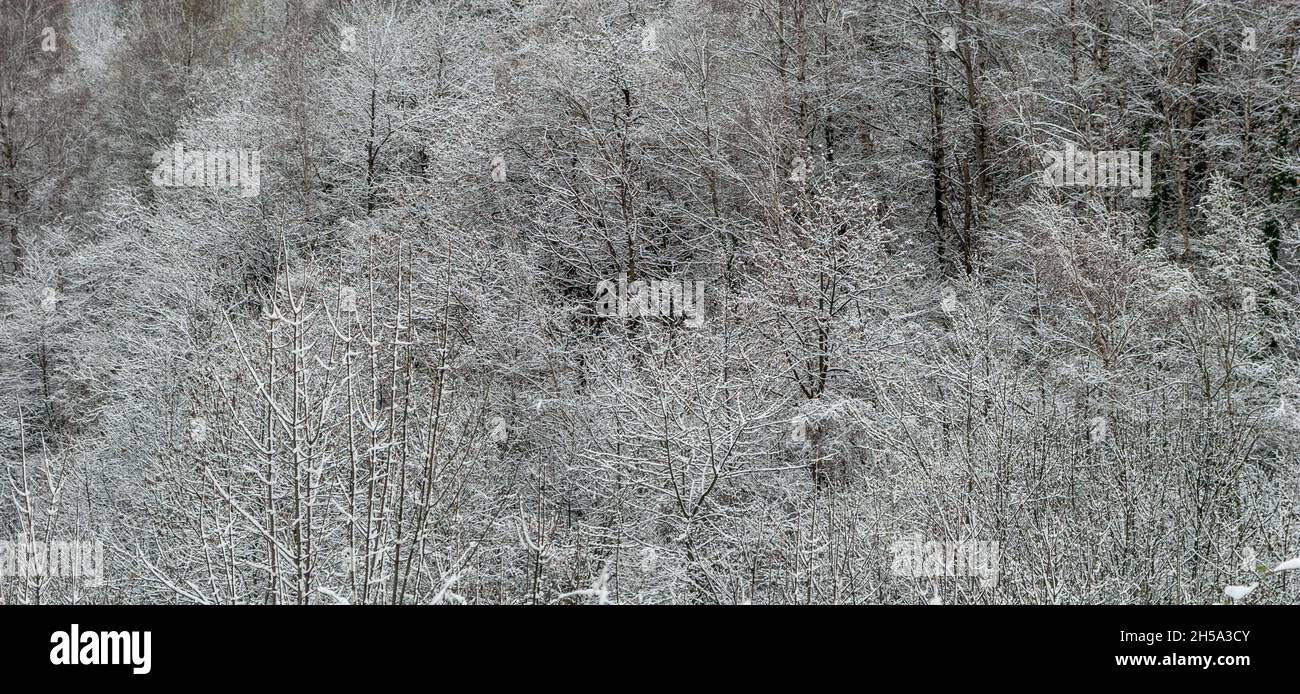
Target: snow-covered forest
675	301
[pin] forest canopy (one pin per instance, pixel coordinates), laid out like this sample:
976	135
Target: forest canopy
696	301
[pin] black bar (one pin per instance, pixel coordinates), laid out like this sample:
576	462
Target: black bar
218	646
